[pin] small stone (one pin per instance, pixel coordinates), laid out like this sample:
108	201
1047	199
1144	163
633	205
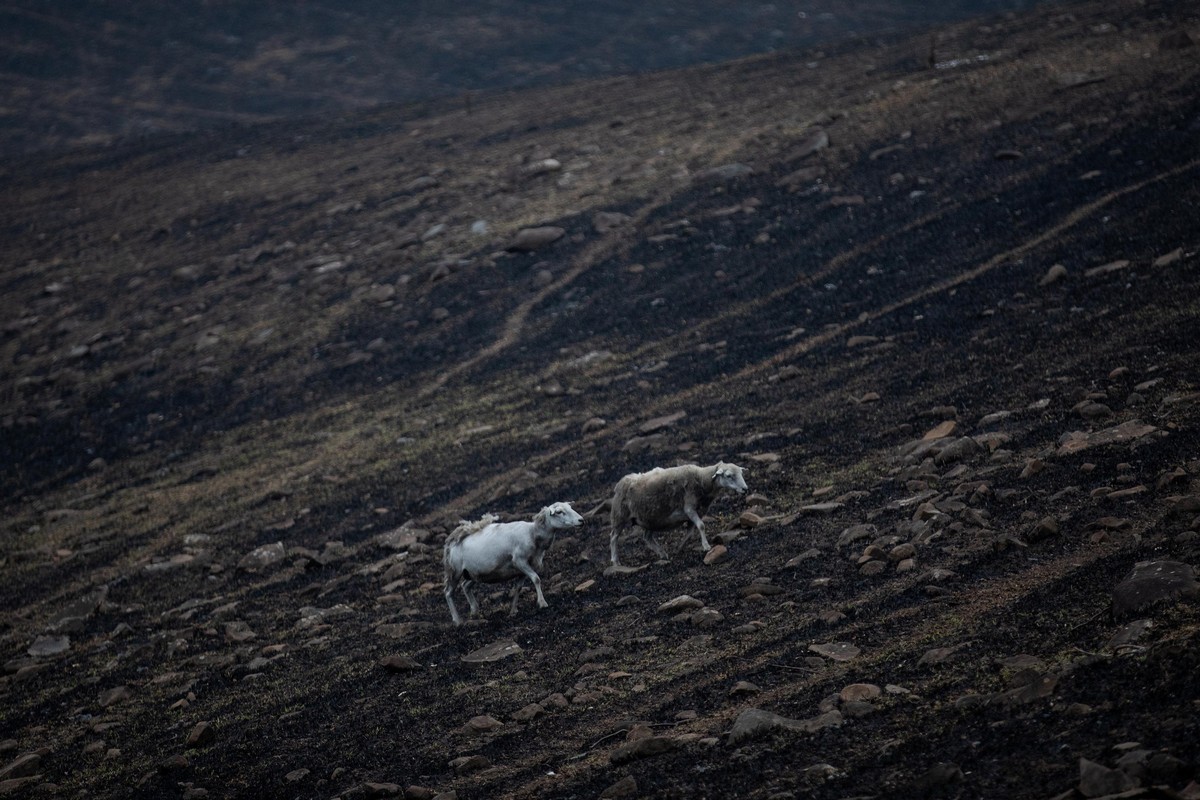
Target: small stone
860	691
624	789
748	519
112	697
483	724
902	551
495	651
838	651
529	239
1152	582
49	646
716	555
754	722
22	766
529	712
399	663
645	747
872	568
200	735
1096	780
464	765
1053	275
940	431
296	775
744	687
588	584
263	557
681	603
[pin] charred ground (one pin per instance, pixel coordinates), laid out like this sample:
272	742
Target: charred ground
239	338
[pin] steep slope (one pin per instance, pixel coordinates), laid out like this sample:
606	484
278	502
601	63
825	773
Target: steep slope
841	269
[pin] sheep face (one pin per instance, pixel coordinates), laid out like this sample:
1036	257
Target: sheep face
729	476
561	515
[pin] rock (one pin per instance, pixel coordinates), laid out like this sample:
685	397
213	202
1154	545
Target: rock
530	239
605	221
528	713
940	431
296	775
419	184
22	766
44	646
902	551
495	651
822	508
1104	269
753	723
860	691
646	747
723	173
683	602
594	424
855	533
659	423
959	449
1170	258
838	651
624	789
200	735
940	655
748	519
464	765
1077	441
942	774
1152	582
813	142
263	557
1096	780
1176	40
872	568
716	555
399	663
118	694
744	687
585	585
1053	275
794	181
483	724
1130	633
1008	154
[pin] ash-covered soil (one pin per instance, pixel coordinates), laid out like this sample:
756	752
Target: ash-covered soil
945	317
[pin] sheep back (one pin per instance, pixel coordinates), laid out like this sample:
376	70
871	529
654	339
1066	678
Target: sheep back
655	499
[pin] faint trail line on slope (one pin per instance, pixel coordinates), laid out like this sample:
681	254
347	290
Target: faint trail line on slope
1072	219
591	255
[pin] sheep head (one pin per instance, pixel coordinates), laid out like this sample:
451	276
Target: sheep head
729	476
561	515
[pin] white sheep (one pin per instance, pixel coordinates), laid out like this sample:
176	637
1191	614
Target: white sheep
488	551
660	499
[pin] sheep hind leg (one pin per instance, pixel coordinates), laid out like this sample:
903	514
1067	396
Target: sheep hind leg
449	593
516	594
468	590
699	523
655	545
528	572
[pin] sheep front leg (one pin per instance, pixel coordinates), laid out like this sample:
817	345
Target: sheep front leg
699	523
523	565
612	545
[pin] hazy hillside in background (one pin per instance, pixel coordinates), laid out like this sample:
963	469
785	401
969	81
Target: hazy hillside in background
88	70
